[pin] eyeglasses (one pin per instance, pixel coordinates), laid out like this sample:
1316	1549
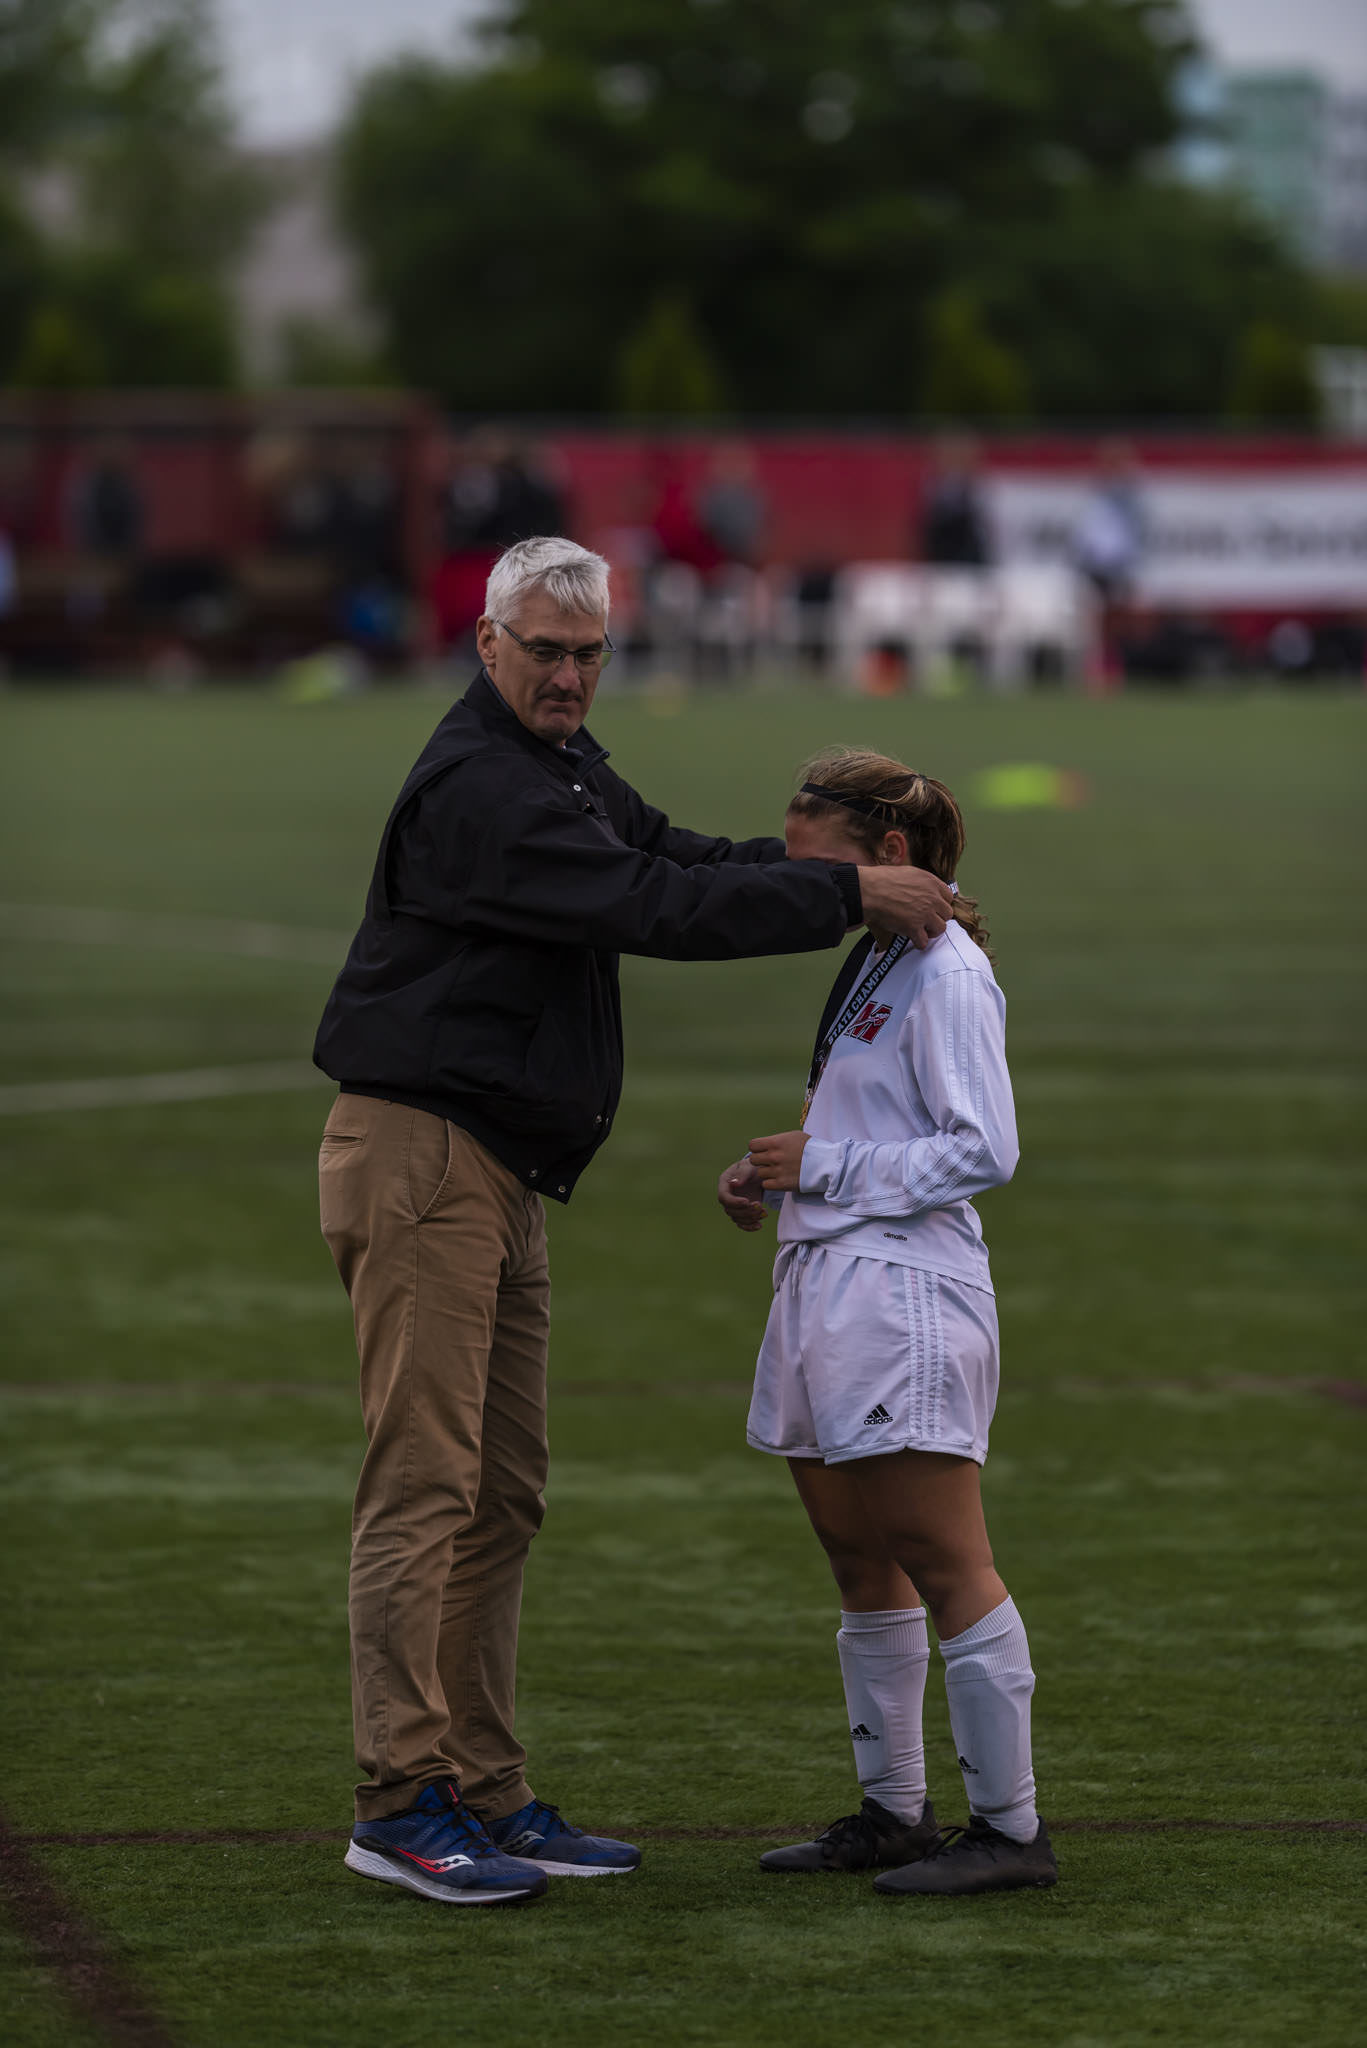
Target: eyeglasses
589	661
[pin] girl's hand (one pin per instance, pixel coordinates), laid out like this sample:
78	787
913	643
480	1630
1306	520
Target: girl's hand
778	1160
739	1191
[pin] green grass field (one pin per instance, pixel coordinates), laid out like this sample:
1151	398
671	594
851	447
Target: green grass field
1175	1489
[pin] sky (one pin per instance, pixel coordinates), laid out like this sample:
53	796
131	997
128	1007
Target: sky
290	62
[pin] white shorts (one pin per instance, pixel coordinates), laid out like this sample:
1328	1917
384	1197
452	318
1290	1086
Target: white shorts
861	1358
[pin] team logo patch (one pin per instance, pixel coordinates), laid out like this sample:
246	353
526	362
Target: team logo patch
870	1021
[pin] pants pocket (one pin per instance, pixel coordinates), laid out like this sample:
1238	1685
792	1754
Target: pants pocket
347	1123
429	1162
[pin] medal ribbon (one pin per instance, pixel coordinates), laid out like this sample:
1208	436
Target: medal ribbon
896	948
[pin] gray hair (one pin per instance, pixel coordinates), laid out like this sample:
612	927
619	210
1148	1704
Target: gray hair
574	578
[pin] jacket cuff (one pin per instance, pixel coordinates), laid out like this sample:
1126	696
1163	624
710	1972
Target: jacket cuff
822	1159
846	878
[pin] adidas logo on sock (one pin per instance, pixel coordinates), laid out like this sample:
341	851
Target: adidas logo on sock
862	1734
878	1414
971	1770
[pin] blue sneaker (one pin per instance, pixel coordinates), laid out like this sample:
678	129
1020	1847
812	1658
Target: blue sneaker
541	1835
439	1849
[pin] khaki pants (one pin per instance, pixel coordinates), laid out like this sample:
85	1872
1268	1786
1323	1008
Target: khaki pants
443	1253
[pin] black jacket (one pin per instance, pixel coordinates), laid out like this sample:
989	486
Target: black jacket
482	984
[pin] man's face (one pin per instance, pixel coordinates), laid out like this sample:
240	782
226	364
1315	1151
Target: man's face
551	699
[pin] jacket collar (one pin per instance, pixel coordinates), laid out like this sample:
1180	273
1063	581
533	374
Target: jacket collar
493	709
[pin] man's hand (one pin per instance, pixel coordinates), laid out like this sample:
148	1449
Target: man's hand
905	900
739	1191
778	1160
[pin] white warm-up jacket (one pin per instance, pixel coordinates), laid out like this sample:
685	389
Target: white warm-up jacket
911	1118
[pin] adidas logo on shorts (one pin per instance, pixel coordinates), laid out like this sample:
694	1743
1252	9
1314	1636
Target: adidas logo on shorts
878	1414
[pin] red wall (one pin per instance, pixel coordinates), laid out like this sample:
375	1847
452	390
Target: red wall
830	496
852	497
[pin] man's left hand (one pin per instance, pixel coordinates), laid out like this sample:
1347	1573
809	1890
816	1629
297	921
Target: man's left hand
778	1160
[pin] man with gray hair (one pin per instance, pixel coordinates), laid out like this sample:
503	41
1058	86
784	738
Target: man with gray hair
475	1033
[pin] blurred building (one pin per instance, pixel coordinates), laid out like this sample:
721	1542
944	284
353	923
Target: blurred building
298	292
1298	149
1341	374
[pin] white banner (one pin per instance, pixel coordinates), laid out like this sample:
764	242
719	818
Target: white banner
1261	539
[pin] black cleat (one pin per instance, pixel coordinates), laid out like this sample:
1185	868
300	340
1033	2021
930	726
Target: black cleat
974	1859
872	1839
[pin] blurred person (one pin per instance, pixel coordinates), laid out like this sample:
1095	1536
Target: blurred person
953	528
106	518
731	506
466	486
368	555
1110	534
296	580
303	498
107	511
680	535
475	1034
529	501
877	1376
813	595
675	584
369	510
18	490
1109	541
265	457
494	492
734	612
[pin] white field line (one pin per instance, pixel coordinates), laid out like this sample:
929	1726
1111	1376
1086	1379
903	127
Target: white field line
313	946
249	939
704	1087
1257	1083
278	1077
1030	1088
193	1084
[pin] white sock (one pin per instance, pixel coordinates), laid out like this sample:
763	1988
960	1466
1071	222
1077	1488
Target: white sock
988	1682
883	1661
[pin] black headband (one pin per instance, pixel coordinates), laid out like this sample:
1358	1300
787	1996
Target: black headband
867	806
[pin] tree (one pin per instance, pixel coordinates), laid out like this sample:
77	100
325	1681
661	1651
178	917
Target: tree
1125	300
117	104
969	375
811	181
21	268
47	57
157	166
1338	315
56	353
666	366
1273	382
